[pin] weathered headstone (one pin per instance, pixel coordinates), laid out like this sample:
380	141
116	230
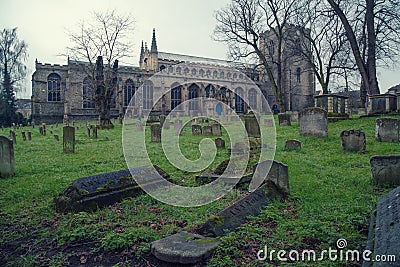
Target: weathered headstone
167	124
41	130
207	130
56	137
353	140
220	142
313	122
94	131
386	169
240	147
44	128
274	171
384	231
251	125
196	129
162	120
155	133
13	137
89	193
284	119
387	130
29	135
216	129
139	126
88	130
69	139
293	144
269	122
184	248
23	136
7	166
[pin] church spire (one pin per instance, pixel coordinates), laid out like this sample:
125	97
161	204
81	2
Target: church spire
154	42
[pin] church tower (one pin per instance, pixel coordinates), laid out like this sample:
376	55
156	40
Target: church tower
149	58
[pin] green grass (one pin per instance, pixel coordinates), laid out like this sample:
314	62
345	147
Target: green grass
331	197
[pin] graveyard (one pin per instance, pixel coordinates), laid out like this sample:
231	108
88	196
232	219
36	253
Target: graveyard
332	194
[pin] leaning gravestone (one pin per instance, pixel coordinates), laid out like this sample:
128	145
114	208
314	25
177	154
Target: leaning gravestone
167	124
386	169
251	125
293	144
313	122
216	129
353	140
384	231
88	130
220	142
69	139
29	136
284	119
196	129
7	166
94	130
275	171
387	130
207	130
89	193
155	133
23	136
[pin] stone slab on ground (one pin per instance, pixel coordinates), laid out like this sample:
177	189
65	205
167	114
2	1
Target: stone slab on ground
184	248
91	192
384	231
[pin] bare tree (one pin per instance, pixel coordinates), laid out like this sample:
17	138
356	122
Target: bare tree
13	54
243	24
324	44
105	35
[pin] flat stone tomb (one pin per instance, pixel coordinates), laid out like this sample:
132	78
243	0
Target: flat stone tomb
386	169
384	230
91	192
313	122
7	165
387	130
353	140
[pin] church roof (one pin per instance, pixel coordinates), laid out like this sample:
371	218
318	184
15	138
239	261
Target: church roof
196	59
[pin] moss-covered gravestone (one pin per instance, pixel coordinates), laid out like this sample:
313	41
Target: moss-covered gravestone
7	166
69	139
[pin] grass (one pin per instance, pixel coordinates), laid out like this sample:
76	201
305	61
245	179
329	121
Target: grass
331	197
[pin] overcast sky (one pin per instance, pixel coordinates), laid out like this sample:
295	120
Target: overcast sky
182	26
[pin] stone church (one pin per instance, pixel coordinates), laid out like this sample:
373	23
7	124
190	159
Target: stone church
62	92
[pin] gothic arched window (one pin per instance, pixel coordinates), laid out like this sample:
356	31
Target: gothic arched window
176	95
129	92
147	95
193	94
298	75
253	98
54	87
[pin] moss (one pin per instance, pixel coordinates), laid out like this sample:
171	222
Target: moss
217	220
105	187
206	240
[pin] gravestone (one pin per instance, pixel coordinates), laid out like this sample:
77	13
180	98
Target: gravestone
7	166
236	214
69	139
207	130
155	133
386	169
251	125
167	124
23	136
384	229
196	129
387	130
284	119
41	130
162	120
313	122
269	122
293	144
13	137
44	129
278	173
353	140
94	131
92	192
56	137
139	126
51	132
216	129
220	142
29	136
88	130
240	147
184	248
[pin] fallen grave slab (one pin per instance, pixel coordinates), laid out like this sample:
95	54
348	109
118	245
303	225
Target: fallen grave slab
386	169
92	192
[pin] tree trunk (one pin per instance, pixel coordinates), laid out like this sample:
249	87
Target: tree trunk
371	55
